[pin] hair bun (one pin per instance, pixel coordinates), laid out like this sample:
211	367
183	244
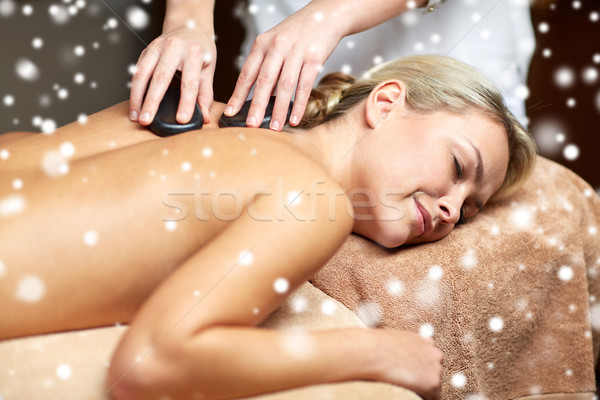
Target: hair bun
325	97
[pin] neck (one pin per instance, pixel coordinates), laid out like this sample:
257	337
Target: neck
332	146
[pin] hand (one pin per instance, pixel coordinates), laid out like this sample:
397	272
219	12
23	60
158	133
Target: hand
190	50
408	360
287	57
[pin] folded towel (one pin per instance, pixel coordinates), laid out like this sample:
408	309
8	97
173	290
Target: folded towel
507	297
73	365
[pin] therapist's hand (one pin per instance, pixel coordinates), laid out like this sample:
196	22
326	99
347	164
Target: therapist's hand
189	49
287	57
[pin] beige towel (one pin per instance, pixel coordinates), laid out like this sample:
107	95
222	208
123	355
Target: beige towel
507	297
73	365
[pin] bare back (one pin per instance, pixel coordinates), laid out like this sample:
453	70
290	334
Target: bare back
87	247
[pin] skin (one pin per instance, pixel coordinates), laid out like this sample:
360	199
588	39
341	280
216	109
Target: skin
191	305
282	60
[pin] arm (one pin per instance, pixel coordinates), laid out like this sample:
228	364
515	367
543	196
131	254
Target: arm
186	44
290	55
210	345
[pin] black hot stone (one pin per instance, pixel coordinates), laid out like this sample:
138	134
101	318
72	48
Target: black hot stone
164	123
239	119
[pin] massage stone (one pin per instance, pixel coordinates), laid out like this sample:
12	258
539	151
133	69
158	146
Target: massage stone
164	123
239	120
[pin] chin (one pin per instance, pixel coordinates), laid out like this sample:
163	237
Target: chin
390	241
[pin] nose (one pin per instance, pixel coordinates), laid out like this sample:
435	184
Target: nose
450	209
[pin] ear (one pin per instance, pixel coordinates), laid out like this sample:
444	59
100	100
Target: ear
382	99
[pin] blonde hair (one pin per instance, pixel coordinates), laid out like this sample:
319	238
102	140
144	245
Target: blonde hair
433	83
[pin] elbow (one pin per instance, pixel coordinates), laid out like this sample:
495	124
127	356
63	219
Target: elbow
126	378
138	372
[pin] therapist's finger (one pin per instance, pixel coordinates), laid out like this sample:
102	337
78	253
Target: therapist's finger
163	74
190	83
139	81
205	92
265	85
285	89
308	75
244	82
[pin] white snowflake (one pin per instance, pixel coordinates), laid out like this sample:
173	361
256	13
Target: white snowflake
370	313
564	77
595	316
496	324
522	217
299	304
571	152
590	75
48	126
59	14
137	17
426	330
79	78
328	307
522	92
435	273
90	238
547	53
469	260
30	289
565	273
54	164
245	257
207	152
63	371
294	198
458	380
7	8
12	205
394	287
27	70
9	100
428	294
281	285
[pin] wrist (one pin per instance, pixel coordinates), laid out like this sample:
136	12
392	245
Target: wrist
189	14
365	347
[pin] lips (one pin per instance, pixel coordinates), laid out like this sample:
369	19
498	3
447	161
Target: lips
424	221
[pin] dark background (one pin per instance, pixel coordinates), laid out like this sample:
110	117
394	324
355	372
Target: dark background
112	44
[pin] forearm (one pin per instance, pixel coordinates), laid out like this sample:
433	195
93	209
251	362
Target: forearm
230	362
181	12
357	15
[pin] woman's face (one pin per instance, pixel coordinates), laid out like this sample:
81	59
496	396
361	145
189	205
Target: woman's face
425	173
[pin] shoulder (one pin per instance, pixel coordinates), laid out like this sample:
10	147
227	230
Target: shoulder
280	180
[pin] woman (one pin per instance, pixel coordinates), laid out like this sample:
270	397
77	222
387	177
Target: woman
193	240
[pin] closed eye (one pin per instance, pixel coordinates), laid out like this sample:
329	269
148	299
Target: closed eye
459	172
